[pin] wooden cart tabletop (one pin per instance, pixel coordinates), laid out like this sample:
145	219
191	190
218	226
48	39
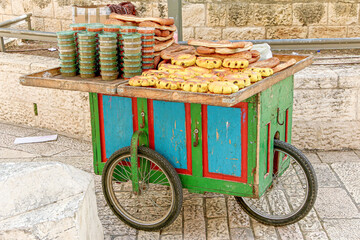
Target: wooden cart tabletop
52	79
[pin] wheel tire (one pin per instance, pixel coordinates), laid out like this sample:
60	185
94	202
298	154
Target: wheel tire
312	189
172	177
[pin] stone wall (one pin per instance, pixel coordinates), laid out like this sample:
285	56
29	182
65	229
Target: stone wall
326	104
221	19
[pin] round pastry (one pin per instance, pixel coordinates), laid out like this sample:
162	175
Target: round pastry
195	86
221	73
138	81
183	75
208	77
185	60
235	63
208	62
179	82
197	70
254	76
166	83
170	68
239	79
155	73
223	87
265	72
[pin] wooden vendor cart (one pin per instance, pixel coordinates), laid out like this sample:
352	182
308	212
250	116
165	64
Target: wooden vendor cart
151	143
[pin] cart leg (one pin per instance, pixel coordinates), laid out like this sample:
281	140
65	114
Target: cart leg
134	159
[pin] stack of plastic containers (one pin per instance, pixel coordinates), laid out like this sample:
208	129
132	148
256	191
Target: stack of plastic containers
67	49
77	28
96	28
132	55
116	29
108	56
87	54
148	43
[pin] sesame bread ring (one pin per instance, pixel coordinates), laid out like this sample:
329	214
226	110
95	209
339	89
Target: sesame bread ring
208	62
235	63
185	60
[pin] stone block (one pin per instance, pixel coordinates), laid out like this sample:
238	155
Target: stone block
65	25
335	203
43	8
342	228
343	13
313	157
316	105
52	25
349	174
193	15
326	135
338	156
37	24
326	31
208	33
194	229
272	14
290	232
241	233
10	153
291	32
239	14
217	228
36	206
160	9
348	76
237	217
215	207
20	7
63	9
325	176
15	130
320	235
216	15
263	232
309	14
188	33
144	9
243	33
353	31
316	77
17	112
310	223
5	7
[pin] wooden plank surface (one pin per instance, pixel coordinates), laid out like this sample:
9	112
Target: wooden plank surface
126	90
52	78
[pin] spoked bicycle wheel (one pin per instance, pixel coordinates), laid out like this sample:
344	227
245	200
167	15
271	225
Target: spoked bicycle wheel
159	200
291	195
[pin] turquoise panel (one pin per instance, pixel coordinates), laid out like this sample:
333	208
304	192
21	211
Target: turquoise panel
170	132
224	140
118	123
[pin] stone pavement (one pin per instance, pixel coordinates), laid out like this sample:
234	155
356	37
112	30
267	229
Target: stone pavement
336	214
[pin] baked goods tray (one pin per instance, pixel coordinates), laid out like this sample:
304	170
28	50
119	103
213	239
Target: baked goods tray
52	78
302	61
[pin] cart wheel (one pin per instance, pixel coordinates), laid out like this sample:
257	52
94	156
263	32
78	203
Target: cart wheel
291	195
159	200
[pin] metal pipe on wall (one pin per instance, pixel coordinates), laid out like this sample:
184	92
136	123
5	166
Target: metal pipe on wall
175	11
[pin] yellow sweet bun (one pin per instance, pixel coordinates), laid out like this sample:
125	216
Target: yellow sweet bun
208	62
221	72
223	87
171	68
155	73
197	70
254	76
148	81
185	60
190	86
178	81
208	77
240	79
184	75
235	63
265	72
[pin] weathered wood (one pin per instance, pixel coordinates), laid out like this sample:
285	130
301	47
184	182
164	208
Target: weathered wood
52	79
126	90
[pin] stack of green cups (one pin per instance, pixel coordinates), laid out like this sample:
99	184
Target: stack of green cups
108	56
132	55
87	54
96	28
116	29
67	49
77	28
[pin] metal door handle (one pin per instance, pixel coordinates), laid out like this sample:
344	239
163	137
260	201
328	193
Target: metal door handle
196	143
142	125
277	118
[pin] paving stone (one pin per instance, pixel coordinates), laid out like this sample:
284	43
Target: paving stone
313	157
142	235
7	141
217	228
310	223
335	203
241	233
325	176
349	174
175	228
74	153
342	228
44	149
193	201
5	160
193	212
215	207
84	163
194	229
10	153
237	217
358	153
172	237
290	232
126	237
338	156
321	235
17	131
263	232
